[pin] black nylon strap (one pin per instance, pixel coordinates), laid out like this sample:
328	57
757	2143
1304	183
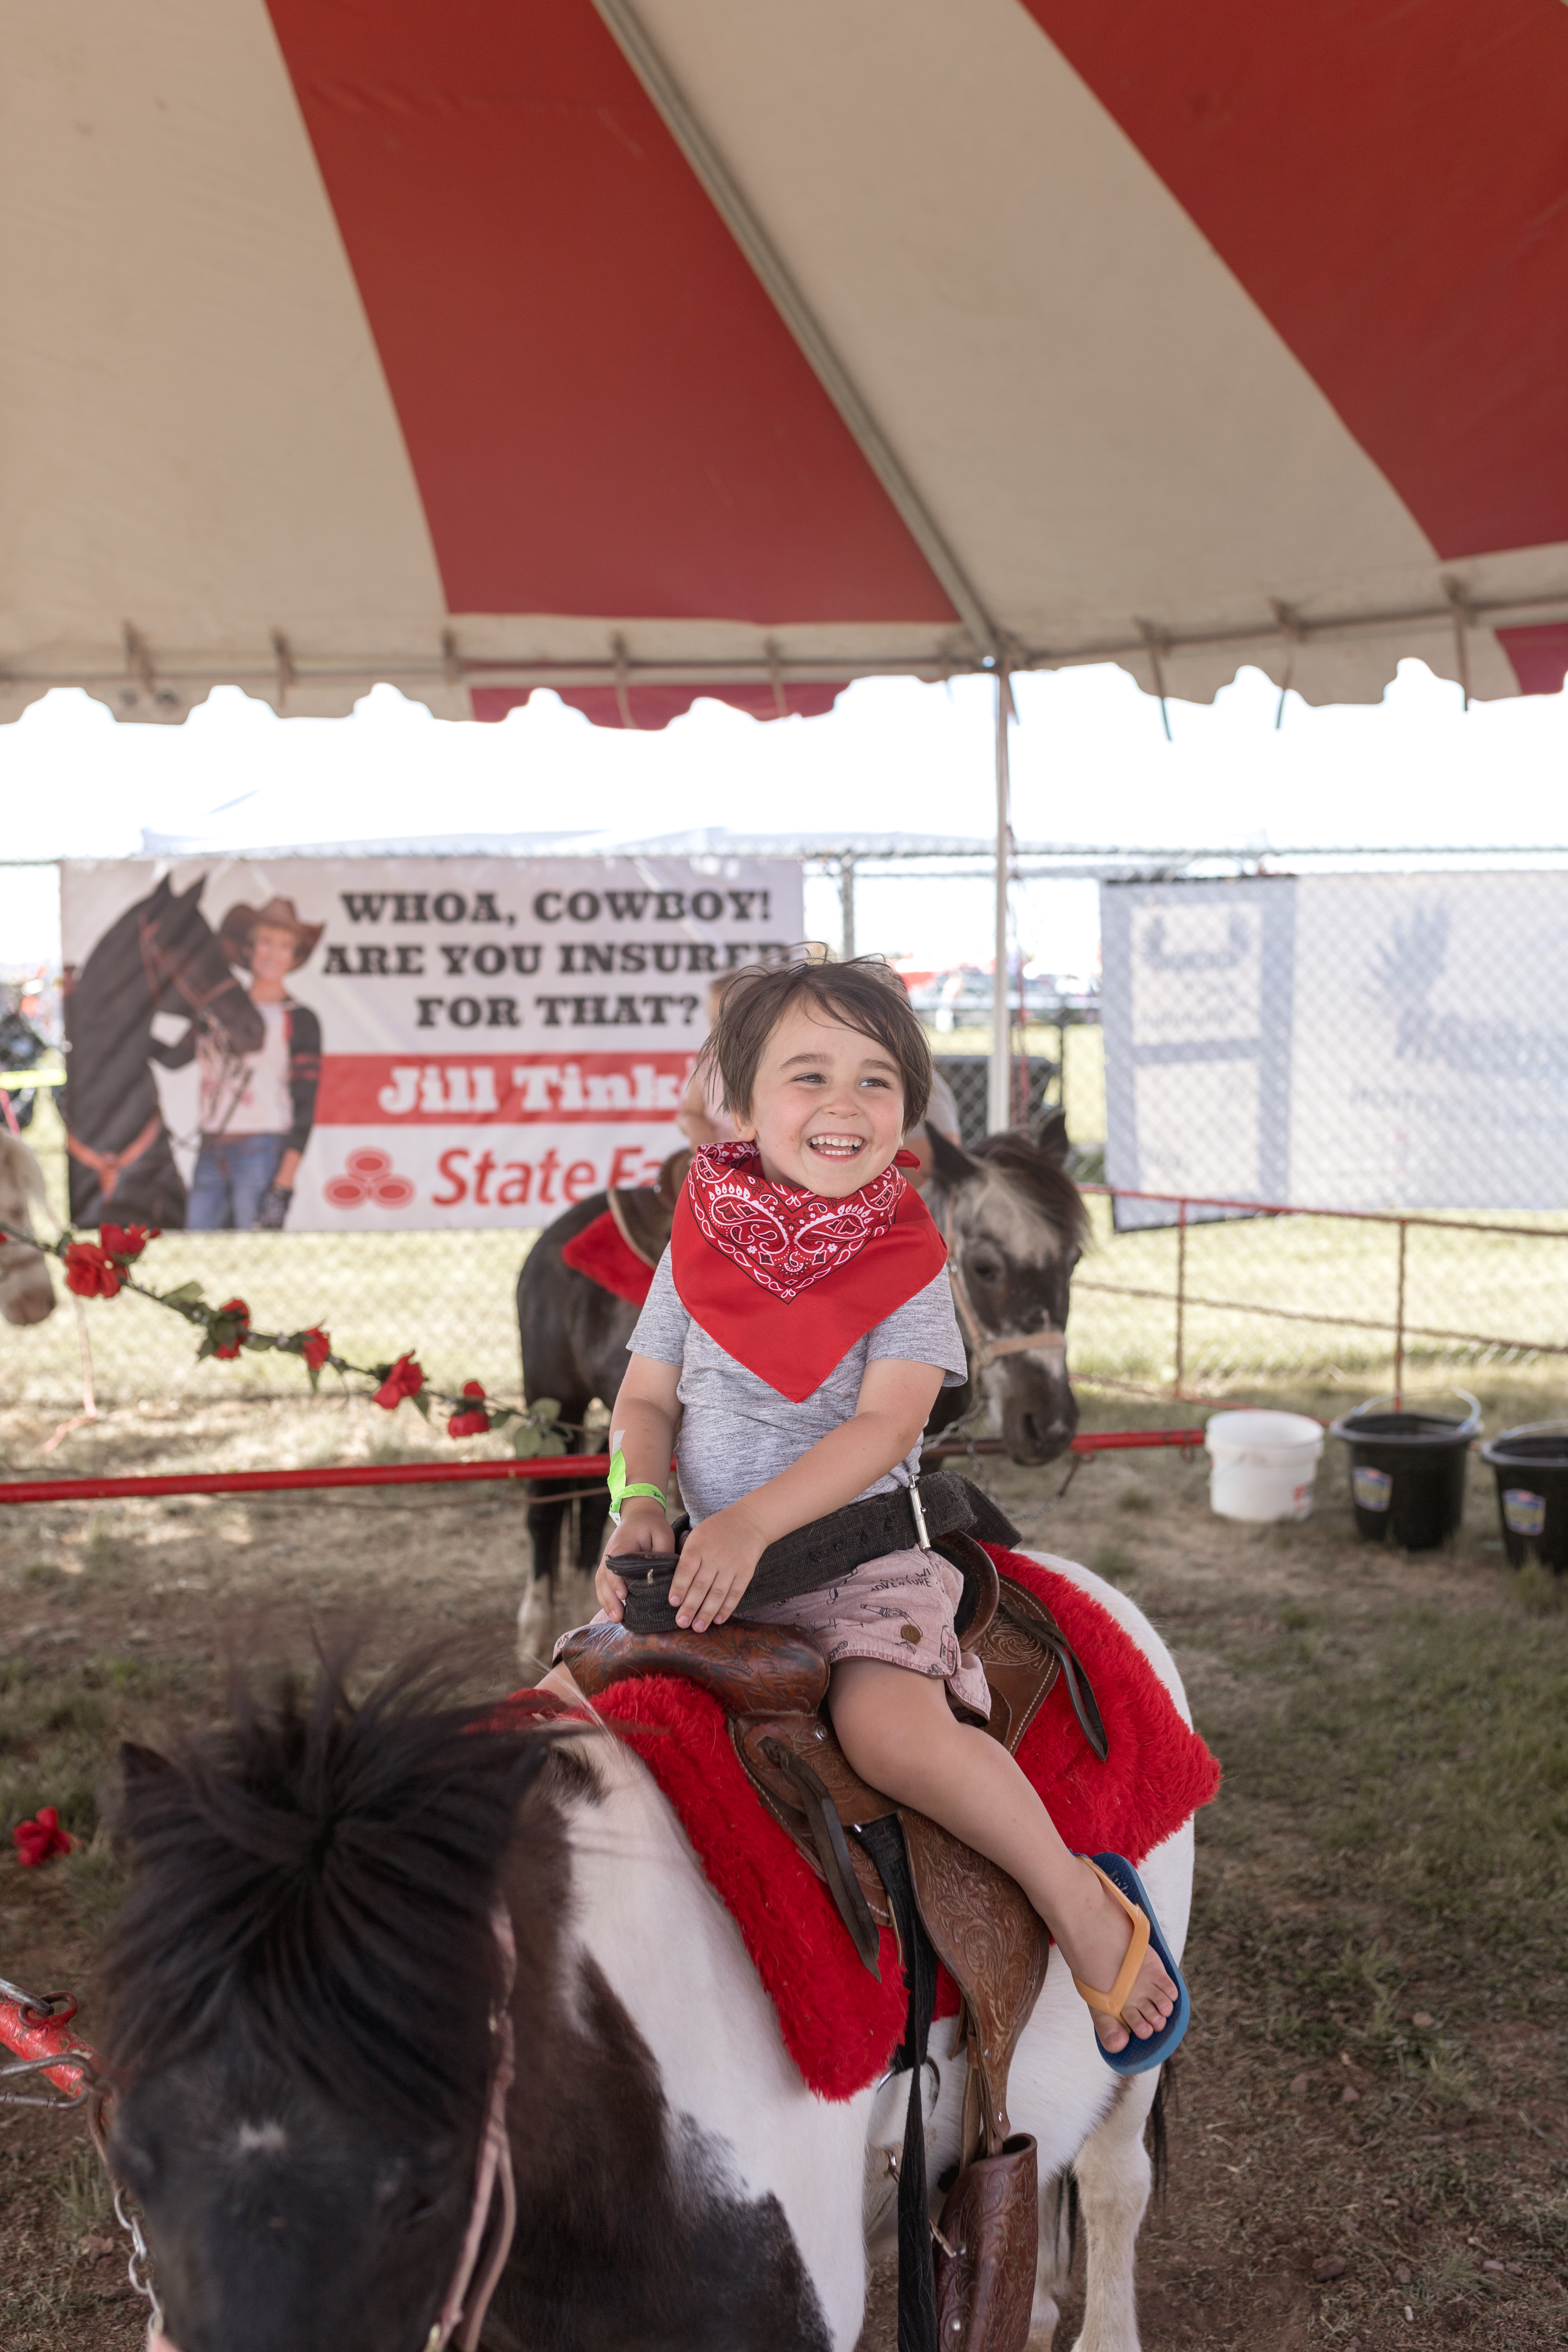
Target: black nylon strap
884	1841
825	1550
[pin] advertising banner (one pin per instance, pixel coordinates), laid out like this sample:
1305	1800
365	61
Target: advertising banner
390	1043
1343	1041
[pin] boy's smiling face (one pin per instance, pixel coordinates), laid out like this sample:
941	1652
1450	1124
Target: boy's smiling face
827	1105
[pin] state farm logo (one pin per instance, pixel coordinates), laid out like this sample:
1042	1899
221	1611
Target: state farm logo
369	1178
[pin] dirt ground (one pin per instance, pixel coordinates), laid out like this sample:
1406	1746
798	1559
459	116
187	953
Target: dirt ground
1369	2138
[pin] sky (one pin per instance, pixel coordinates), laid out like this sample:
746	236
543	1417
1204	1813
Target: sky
1090	765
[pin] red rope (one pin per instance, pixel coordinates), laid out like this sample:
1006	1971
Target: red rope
446	1474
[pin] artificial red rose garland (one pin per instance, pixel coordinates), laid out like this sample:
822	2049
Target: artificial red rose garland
97	1269
100	1269
37	1840
474	1420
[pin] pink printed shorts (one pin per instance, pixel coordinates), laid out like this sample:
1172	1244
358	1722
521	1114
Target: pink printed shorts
898	1609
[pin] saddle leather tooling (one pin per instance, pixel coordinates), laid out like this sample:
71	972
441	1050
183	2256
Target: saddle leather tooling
772	1682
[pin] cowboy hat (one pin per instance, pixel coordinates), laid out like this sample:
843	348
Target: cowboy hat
239	925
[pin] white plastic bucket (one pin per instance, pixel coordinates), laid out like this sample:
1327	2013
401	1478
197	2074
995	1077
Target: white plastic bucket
1264	1464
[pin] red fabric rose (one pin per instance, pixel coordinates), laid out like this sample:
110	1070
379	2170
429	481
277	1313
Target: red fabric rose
475	1420
235	1318
90	1272
37	1839
315	1347
403	1379
127	1241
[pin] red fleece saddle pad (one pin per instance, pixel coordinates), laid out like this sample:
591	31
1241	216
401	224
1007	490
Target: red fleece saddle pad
839	2026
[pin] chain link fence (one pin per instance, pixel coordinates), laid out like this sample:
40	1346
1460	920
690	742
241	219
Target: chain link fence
1295	1302
1179	1295
447	1297
1256	1307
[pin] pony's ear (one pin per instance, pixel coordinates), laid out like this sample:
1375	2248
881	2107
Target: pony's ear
140	1765
1050	1134
950	1163
193	897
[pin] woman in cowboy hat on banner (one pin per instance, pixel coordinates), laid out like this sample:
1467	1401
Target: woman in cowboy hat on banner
257	1109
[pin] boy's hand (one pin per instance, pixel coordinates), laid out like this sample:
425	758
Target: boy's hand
644	1529
718	1562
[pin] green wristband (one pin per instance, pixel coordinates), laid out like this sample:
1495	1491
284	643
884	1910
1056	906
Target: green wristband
619	1489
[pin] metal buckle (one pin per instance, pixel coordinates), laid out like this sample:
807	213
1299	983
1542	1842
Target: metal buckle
922	1532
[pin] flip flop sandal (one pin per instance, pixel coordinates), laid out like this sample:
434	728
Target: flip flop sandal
1138	2057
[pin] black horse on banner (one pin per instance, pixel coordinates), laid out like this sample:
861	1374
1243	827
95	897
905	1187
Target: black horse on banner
160	957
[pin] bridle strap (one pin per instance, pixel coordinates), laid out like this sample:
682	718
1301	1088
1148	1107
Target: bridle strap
107	1165
494	2166
984	1351
160	967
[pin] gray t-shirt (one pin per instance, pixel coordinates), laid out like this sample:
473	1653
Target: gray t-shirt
736	1432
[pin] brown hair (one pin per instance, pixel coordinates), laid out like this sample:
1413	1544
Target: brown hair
863	993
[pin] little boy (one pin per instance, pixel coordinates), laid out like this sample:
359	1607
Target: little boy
799	1327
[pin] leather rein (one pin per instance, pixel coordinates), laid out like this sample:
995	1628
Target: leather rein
462	2308
985	1352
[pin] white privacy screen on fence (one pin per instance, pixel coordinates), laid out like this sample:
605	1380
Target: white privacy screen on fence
1352	1041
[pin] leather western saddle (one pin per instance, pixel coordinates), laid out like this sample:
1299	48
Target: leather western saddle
772	1682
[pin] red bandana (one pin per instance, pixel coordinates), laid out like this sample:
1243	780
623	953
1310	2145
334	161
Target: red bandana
786	1280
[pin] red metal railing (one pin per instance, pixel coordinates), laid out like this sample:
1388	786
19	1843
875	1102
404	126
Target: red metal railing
1181	1298
592	1466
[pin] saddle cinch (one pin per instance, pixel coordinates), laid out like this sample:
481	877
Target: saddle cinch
772	1682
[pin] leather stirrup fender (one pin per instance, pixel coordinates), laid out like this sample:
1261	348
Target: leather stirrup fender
827	1836
1021	1605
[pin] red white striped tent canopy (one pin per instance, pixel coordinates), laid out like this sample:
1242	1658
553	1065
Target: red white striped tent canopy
645	348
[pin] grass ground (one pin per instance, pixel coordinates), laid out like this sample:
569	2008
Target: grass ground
1371	2115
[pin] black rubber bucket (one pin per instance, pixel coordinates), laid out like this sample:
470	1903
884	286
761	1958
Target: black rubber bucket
1530	1465
1408	1471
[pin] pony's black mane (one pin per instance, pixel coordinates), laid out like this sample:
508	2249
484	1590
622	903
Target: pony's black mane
1041	1175
317	1876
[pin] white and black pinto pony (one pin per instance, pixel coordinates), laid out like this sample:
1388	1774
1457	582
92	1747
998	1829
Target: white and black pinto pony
27	1292
1014	1225
302	1994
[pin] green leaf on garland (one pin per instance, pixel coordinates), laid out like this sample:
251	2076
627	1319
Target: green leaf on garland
545	1409
529	1441
423	1402
186	1295
313	1374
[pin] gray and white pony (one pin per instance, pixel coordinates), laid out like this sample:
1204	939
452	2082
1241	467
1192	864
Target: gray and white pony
26	1293
301	1994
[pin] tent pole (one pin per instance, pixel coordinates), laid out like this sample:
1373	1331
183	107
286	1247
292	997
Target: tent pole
998	1093
847	905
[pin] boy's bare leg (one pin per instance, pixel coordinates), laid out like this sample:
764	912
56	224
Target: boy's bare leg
899	1734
